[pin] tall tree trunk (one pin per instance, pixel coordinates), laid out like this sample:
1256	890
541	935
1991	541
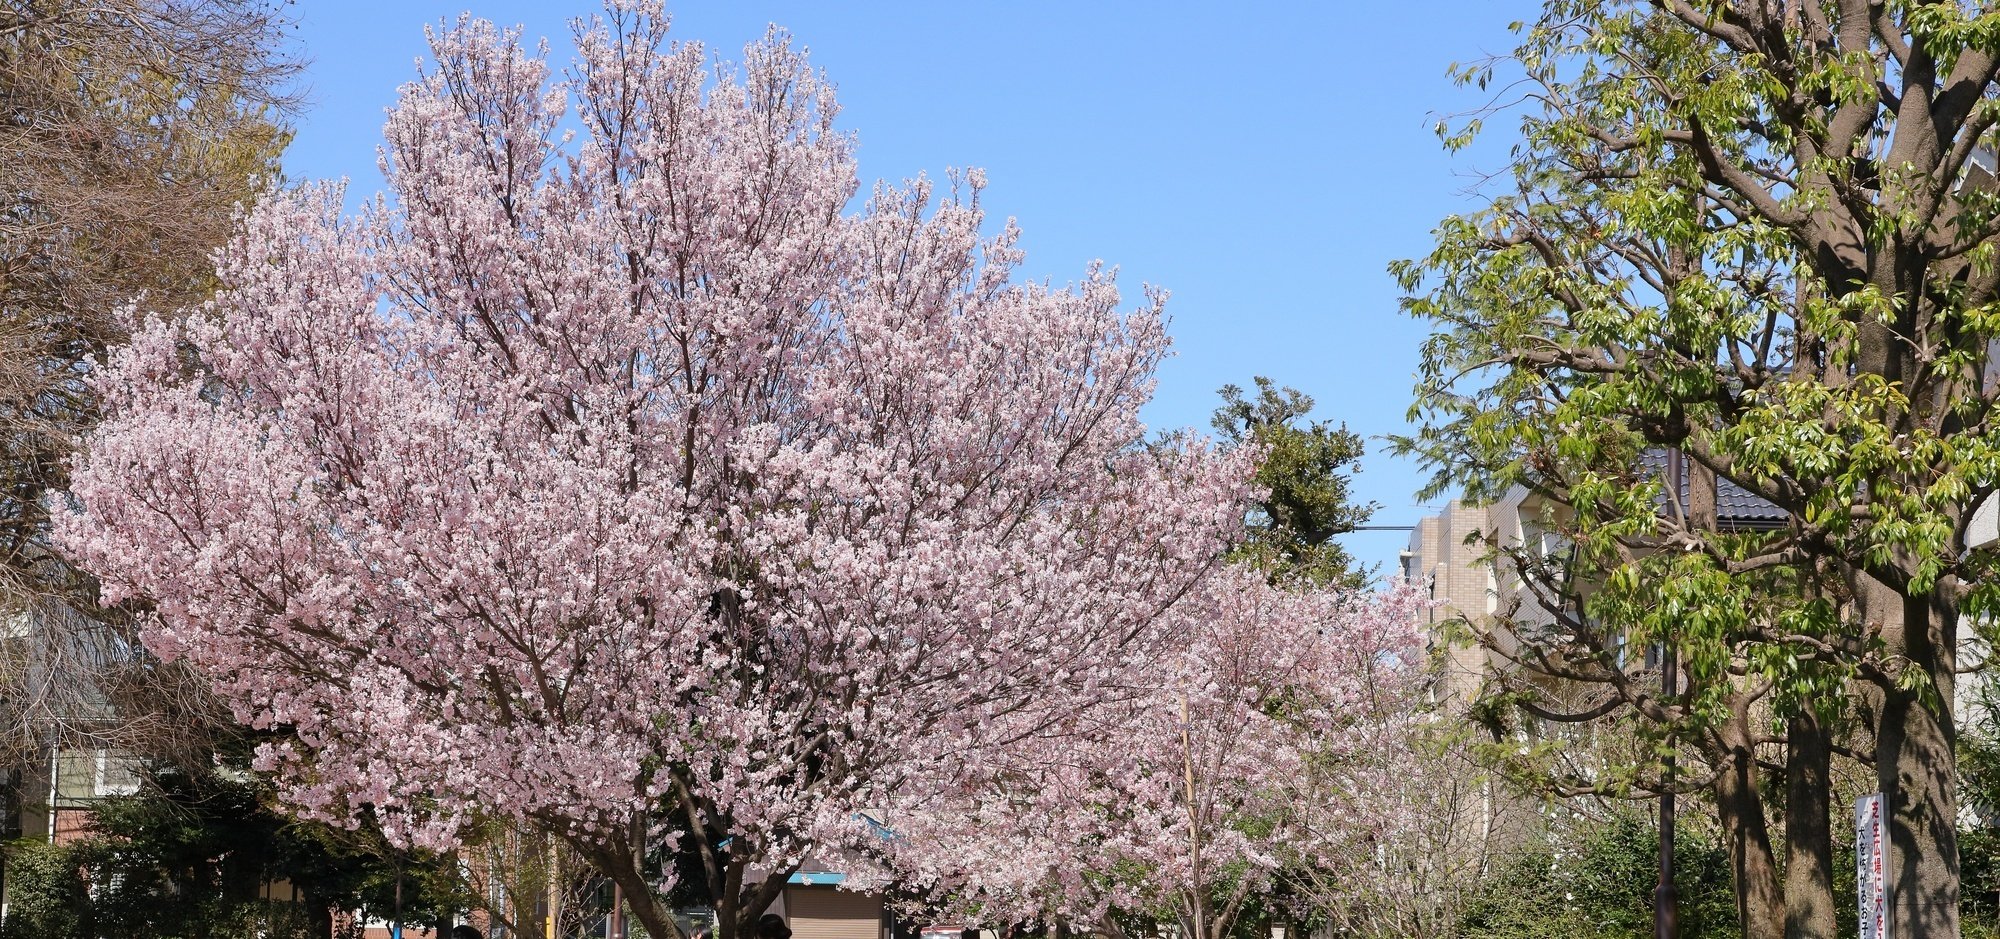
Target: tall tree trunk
1914	745
1753	866
1809	907
646	905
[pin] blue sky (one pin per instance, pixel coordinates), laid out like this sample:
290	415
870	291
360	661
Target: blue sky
1263	161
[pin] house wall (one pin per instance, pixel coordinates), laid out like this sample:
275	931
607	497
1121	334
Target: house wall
81	779
816	912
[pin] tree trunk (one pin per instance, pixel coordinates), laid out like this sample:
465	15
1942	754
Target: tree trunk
727	925
1914	746
1739	809
620	861
1809	906
750	902
649	907
322	916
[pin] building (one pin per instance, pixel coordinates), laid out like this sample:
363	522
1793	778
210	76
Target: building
1469	559
1453	556
57	805
816	906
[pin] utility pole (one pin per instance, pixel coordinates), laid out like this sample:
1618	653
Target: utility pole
55	787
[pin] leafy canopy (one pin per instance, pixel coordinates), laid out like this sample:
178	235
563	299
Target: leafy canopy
1306	479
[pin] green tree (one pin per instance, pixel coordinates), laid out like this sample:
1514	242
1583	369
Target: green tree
193	855
1306	477
1757	237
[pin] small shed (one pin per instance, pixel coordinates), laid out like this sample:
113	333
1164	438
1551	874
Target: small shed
817	908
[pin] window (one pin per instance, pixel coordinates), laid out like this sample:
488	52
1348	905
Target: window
117	775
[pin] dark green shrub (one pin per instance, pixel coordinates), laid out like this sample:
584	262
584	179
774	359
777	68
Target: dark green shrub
46	893
1598	880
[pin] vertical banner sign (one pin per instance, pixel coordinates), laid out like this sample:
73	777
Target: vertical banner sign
1871	867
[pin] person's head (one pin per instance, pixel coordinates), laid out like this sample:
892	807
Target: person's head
772	926
466	932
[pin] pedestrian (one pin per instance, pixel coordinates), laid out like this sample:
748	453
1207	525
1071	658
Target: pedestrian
466	932
772	926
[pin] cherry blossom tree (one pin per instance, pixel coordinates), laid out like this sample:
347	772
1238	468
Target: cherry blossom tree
1403	831
1273	741
618	476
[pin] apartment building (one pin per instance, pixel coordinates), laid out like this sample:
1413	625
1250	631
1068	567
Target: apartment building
1456	556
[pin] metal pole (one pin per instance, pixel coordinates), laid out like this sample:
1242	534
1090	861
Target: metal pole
549	922
55	787
617	911
1666	913
1698	513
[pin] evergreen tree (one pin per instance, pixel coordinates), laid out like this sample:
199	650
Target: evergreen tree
1306	476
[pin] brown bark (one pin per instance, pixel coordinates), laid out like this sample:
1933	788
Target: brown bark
1700	497
727	912
1914	746
750	903
620	860
1809	906
1760	907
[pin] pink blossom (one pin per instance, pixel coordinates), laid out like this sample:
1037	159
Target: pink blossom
638	475
1263	737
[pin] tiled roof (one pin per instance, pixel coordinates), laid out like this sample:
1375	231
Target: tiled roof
1735	507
